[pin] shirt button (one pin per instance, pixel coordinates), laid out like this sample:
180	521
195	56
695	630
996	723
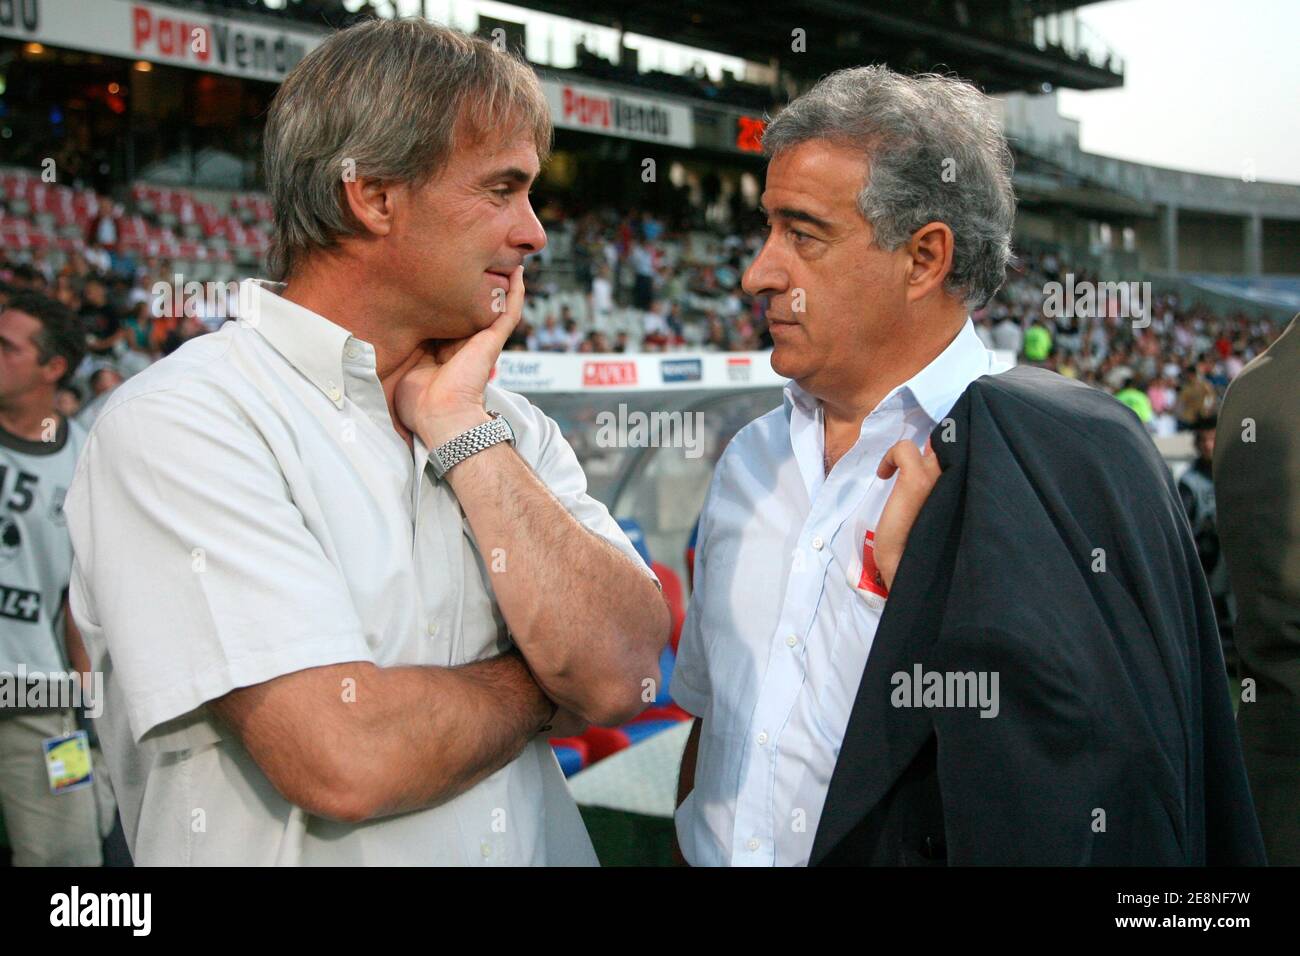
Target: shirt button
817	543
352	351
486	850
333	392
432	628
762	738
791	641
752	845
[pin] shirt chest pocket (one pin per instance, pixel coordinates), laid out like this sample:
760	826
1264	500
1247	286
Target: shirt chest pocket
854	550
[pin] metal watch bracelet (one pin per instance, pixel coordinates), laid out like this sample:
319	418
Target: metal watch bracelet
484	435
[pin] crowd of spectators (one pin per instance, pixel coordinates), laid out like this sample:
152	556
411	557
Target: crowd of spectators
648	285
1167	359
642	284
126	329
630	281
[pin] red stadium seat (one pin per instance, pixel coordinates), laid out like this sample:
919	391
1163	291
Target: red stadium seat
673	595
576	743
572	752
670	712
603	741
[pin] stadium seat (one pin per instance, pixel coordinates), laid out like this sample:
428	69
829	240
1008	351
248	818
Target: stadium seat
672	592
667	661
642	729
570	760
671	712
632	528
690	554
603	741
572	752
673	595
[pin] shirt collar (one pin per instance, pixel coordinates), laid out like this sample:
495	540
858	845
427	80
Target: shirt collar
310	342
797	397
935	388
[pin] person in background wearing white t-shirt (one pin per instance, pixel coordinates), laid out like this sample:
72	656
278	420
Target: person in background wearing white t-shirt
41	343
550	337
1008	335
602	294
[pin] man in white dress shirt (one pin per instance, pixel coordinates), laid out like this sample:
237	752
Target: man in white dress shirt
890	207
334	629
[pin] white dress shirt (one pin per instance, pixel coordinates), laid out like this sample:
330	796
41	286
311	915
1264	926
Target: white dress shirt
245	509
782	617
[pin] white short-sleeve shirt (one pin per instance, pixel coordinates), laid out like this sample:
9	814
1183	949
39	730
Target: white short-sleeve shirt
785	609
245	509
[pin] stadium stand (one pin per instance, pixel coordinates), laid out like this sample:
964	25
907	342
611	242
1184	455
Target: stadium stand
610	281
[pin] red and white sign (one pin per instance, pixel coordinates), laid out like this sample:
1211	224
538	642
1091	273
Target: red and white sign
160	34
569	372
140	30
608	373
738	368
611	112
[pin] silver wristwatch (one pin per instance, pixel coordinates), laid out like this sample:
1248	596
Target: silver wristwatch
484	435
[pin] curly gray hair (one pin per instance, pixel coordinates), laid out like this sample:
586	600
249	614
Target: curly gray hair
936	153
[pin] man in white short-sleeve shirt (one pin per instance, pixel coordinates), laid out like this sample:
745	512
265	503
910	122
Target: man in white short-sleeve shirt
341	587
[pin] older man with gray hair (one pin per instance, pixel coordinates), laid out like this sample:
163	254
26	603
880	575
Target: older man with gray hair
341	586
905	645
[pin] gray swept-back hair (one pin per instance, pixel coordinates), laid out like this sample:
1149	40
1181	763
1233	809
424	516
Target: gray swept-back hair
384	99
913	129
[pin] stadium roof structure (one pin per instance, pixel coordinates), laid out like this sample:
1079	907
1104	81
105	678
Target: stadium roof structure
990	42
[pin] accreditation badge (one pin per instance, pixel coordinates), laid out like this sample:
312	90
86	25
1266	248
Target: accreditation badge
67	762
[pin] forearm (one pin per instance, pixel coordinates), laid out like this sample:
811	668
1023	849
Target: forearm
590	623
482	716
354	741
